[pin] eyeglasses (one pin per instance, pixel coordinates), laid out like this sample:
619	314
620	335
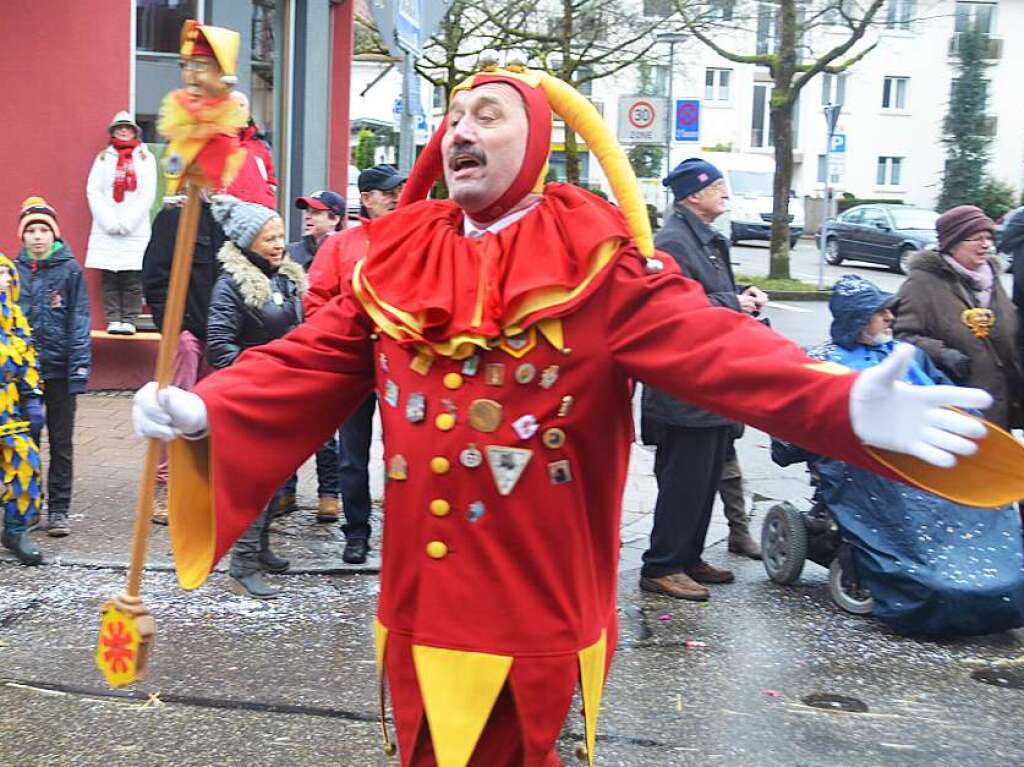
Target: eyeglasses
986	238
197	65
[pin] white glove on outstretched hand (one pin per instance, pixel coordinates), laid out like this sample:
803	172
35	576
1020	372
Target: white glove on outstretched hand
885	412
168	413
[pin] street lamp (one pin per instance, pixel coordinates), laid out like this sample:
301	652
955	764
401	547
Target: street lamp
671	38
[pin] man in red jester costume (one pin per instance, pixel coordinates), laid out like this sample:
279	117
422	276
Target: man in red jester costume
503	331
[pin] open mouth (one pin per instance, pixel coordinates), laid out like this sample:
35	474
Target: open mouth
465	161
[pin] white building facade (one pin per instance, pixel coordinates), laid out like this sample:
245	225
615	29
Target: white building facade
894	100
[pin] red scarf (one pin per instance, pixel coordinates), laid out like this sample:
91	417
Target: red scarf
124	174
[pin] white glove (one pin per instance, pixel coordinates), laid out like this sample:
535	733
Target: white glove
168	413
885	412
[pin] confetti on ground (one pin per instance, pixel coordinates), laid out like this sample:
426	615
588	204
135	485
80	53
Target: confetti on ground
664	618
695	643
773	693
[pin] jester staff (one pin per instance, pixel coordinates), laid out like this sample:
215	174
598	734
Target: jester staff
201	122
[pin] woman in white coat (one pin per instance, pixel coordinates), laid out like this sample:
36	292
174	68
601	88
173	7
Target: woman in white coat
121	190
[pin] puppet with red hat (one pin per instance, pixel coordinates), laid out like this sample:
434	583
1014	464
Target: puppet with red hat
201	120
503	330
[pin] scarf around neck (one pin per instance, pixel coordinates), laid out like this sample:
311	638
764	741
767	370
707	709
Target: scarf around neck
124	174
980	280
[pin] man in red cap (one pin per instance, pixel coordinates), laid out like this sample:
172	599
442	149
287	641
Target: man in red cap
502	331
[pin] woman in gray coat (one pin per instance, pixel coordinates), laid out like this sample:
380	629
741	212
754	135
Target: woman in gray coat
953	306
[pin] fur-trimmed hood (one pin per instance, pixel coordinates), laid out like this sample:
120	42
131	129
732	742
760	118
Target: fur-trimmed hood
253	283
932	261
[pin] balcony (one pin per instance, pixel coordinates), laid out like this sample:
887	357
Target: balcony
993	47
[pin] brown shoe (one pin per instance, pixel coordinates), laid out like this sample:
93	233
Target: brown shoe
702	572
328	510
678	585
740	542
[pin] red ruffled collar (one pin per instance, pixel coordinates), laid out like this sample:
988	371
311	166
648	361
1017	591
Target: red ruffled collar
420	263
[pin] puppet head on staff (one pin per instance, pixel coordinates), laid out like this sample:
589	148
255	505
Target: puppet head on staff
201	120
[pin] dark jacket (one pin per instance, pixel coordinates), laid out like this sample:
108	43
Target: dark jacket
55	301
156	268
251	304
1012	242
703	255
303	251
928	315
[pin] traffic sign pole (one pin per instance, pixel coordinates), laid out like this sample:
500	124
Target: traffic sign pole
831	119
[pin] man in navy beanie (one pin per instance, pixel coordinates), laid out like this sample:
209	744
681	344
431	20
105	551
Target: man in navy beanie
692	444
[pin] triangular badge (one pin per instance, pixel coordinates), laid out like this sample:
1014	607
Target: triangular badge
507	465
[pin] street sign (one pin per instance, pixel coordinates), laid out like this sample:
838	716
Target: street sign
687	120
838	145
407	26
836	166
384	12
642	119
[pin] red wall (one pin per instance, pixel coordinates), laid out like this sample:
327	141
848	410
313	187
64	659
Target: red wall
66	68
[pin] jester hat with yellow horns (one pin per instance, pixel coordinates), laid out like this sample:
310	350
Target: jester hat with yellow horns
542	93
203	130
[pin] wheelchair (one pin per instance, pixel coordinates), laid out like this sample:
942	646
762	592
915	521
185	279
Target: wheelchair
790	537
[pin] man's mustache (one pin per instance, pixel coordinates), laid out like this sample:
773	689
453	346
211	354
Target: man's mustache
465	150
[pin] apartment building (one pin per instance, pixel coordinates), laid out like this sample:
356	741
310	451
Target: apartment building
894	100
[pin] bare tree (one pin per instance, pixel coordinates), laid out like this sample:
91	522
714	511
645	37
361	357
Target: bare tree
785	44
582	41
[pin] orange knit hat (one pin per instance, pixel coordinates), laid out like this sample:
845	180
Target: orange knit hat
36	210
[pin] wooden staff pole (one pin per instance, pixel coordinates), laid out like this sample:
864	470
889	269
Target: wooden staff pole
125	615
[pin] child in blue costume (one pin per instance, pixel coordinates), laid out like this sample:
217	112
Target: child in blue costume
21	410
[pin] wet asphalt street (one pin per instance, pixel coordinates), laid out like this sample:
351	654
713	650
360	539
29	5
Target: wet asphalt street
233	681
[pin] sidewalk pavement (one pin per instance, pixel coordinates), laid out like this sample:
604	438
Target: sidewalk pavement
109	457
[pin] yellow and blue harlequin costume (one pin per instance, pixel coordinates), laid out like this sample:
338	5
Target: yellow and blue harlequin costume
19	379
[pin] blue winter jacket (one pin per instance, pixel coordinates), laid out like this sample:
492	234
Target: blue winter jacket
55	301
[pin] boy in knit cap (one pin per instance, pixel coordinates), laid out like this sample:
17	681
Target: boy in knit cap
55	301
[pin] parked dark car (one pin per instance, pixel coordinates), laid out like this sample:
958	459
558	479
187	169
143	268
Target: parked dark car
881	234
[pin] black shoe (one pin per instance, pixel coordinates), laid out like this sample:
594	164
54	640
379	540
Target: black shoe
23	548
58	525
253	585
355	551
272	563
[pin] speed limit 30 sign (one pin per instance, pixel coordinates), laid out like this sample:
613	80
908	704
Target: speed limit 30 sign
642	120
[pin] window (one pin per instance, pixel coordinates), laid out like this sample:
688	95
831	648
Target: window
658	9
716	84
874	217
894	93
724	9
767	24
836	10
760	124
853	217
889	171
899	14
974	16
833	89
158	23
822	166
583	80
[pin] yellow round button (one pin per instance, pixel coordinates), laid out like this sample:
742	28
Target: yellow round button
445	422
439	507
437	550
452	380
440	464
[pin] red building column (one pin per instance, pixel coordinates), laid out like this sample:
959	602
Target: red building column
342	37
66	74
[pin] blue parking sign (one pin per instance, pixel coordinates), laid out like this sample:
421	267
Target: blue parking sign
687	120
838	145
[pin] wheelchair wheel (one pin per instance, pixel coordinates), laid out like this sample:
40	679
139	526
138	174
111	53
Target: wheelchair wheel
784	543
853	598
